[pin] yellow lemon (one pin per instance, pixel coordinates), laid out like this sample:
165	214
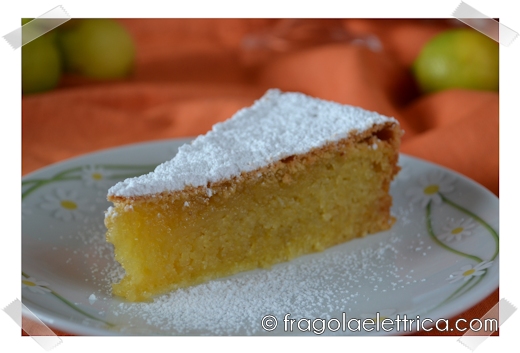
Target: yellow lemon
98	48
458	58
41	64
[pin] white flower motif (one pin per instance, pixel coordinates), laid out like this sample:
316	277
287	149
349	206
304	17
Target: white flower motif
468	271
35	286
66	205
430	185
95	176
456	230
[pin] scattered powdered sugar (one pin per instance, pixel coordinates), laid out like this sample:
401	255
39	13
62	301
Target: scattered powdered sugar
98	255
277	126
361	276
92	298
308	287
349	278
110	212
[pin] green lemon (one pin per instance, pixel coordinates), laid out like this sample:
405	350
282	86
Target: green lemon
41	64
98	48
458	58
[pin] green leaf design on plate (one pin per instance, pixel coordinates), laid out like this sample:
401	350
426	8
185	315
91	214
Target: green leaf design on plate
65	301
472	280
117	172
124	171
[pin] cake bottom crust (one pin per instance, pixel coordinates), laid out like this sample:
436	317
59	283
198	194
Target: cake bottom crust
302	204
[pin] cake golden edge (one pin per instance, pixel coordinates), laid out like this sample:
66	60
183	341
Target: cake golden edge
225	186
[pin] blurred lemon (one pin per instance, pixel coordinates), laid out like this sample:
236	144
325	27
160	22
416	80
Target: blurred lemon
459	58
98	48
41	64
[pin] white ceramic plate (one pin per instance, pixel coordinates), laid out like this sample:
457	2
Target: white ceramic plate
439	259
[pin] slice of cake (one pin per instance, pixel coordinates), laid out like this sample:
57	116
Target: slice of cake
290	175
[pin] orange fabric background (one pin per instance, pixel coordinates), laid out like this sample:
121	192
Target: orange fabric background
192	73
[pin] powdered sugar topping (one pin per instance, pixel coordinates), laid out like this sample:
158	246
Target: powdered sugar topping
277	126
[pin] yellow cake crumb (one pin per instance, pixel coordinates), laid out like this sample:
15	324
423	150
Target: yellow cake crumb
299	205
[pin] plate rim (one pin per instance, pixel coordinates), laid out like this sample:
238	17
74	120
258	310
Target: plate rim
75	328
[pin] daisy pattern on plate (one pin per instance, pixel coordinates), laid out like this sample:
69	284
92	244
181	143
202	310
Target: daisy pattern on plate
467	272
430	185
35	286
65	205
457	229
95	176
